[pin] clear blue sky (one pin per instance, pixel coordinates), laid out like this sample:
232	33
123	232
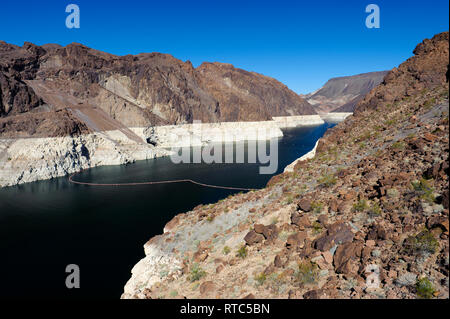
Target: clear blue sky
300	43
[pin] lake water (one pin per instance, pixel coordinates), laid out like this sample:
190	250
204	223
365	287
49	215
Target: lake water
47	225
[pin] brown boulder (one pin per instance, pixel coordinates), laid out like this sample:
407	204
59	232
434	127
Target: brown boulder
336	234
270	232
296	240
280	260
346	258
314	294
323	219
301	221
259	228
377	232
253	237
305	204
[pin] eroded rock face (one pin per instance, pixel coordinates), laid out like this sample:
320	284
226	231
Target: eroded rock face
103	91
43	124
247	96
17	65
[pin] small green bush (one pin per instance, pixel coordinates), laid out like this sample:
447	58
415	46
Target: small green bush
327	180
196	273
316	207
399	145
226	250
242	252
317	228
375	210
424	288
260	279
307	273
424	189
289	200
422	243
360	205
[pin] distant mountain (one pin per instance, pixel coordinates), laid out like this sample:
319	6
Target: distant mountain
52	90
342	93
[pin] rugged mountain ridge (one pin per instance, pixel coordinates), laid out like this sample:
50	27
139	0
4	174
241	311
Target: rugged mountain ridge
427	69
101	91
341	94
367	217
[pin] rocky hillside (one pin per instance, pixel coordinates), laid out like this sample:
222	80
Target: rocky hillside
341	94
372	207
248	95
427	69
52	90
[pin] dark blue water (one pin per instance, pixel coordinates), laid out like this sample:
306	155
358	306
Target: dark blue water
44	226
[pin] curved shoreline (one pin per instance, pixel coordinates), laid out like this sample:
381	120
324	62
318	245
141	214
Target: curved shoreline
307	156
26	160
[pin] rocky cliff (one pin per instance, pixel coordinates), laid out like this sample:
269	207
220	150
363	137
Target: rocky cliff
97	91
427	69
341	94
367	217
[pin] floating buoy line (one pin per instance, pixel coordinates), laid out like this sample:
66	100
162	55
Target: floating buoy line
157	183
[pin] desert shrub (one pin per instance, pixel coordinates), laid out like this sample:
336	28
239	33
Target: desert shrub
317	228
316	207
424	288
375	210
389	122
327	180
307	273
260	279
364	136
242	252
277	282
289	200
422	243
399	145
196	273
360	205
429	103
226	250
424	189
